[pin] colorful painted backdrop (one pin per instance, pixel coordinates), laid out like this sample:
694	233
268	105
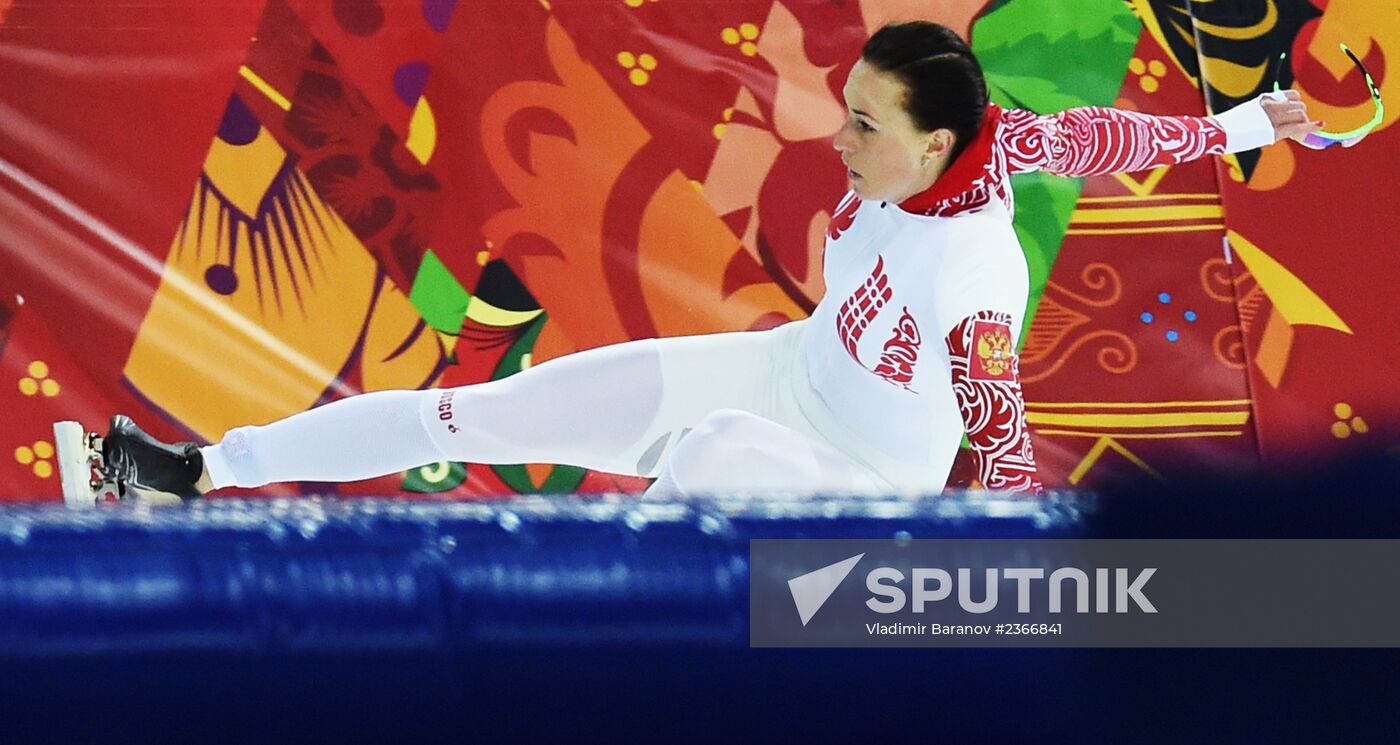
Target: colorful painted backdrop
223	213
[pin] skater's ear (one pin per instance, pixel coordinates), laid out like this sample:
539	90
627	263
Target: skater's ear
938	145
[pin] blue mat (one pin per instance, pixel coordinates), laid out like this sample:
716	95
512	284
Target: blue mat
360	575
609	620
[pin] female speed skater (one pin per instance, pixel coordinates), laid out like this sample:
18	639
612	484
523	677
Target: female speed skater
912	346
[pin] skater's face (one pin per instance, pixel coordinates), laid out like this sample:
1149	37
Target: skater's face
887	156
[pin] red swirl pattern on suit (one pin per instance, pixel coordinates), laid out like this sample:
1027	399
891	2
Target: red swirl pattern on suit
972	180
987	384
844	217
1086	141
862	307
1093	140
901	352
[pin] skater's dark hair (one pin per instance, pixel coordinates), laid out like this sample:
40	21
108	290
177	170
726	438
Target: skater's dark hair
946	89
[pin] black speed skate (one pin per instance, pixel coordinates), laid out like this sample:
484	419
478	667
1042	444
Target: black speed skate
126	464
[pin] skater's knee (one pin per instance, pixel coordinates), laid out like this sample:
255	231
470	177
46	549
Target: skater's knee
719	440
722	424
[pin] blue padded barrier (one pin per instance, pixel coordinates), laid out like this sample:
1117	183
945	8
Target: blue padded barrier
386	575
383	621
611	620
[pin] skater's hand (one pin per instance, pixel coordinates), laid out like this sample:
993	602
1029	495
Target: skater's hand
1289	115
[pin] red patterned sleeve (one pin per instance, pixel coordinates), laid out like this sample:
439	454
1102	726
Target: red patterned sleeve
1093	140
987	383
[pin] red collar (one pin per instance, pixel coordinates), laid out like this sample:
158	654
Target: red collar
972	165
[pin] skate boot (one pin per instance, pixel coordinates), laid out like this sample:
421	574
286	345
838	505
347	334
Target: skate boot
80	467
126	464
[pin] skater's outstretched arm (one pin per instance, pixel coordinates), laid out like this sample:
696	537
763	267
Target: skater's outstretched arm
1093	140
987	384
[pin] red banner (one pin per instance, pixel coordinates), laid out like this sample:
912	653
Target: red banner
216	215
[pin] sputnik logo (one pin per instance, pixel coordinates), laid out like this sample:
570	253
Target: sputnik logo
811	590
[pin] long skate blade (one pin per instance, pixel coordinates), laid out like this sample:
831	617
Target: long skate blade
74	466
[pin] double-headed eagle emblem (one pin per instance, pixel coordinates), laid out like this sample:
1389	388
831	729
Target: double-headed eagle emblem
994	349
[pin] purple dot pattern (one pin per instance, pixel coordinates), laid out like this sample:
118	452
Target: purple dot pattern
438	13
221	279
239	125
410	80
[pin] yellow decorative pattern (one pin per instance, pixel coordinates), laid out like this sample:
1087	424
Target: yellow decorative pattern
485	313
1144	231
1141	435
38	457
422	131
1140	404
1140	420
1148	183
1243	33
244	172
1233	79
1129	215
1137	421
1347	422
38	381
266	88
745	37
1143	10
1149	73
727	116
1149	214
1298	304
1152	197
1096	452
639	66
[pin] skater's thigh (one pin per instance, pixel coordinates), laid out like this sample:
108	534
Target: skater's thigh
618	408
735	370
680	378
609	395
